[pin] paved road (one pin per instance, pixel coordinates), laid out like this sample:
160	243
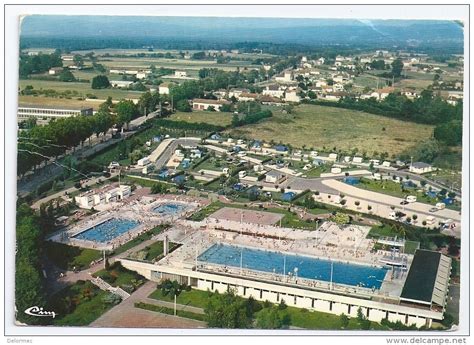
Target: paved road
168	152
50	170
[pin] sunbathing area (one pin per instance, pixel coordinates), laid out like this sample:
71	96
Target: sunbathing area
246	216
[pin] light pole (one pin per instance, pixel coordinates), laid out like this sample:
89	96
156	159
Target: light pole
175	304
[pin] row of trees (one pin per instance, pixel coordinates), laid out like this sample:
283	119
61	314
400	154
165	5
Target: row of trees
250	118
41	143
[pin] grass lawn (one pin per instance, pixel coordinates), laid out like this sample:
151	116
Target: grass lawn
411	246
383	231
137	240
210	117
317	171
327	127
164	310
206	211
394	189
299	317
153	251
195	298
66	257
213	163
318	320
117	275
111	154
79	304
82	88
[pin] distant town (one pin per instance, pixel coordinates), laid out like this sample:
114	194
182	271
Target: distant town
176	187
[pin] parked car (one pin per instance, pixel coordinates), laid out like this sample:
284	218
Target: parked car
433	209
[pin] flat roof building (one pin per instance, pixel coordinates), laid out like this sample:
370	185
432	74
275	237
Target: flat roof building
29	111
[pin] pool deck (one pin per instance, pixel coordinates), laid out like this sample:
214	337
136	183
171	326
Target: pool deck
329	242
139	209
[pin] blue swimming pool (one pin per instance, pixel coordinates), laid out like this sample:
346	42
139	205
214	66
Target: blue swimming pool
108	230
308	267
169	209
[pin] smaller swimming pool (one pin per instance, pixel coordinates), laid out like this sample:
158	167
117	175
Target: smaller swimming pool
107	230
169	209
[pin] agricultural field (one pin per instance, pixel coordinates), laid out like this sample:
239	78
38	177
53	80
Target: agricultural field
145	62
322	127
210	117
81	88
41	101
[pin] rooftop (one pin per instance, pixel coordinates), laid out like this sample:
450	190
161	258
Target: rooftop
427	279
210	101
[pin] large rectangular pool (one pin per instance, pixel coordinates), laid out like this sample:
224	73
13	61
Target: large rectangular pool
107	230
307	267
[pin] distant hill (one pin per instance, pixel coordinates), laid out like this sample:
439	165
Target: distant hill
308	32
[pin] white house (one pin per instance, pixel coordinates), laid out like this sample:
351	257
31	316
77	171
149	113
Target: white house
236	92
55	70
273	91
292	96
121	83
420	168
180	74
245	97
105	195
164	88
274	177
205	104
285	77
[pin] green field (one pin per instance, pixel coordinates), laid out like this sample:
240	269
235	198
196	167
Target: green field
210	117
42	101
322	127
81	88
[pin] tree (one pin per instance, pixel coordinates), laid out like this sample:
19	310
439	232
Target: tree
397	67
344	321
228	311
100	82
126	111
235	120
172	288
340	218
272	318
183	105
66	76
226	108
449	133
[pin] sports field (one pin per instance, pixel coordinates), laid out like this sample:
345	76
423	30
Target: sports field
322	127
81	88
173	63
40	101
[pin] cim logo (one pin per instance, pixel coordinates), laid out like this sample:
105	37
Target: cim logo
39	311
